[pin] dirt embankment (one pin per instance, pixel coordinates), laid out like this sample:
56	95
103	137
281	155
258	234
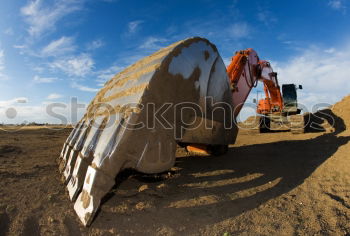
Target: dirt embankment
267	184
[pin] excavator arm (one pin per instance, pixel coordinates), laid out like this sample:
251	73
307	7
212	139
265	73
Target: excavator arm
244	71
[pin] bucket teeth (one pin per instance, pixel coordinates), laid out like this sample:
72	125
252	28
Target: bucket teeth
65	156
96	186
76	181
70	165
122	128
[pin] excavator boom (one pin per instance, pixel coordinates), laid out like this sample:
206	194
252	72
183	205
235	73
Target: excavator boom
244	71
275	112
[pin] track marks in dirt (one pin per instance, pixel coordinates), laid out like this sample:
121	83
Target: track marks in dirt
4	223
7	174
338	199
9	149
37	172
72	227
31	227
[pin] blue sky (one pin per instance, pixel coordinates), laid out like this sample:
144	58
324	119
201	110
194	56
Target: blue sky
53	50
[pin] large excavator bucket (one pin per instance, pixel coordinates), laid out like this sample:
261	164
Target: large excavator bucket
180	94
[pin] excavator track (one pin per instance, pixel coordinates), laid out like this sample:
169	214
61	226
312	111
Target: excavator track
297	125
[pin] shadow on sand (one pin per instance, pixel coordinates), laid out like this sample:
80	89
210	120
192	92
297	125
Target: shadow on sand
284	165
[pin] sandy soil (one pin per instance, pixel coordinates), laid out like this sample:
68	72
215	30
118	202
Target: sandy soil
267	184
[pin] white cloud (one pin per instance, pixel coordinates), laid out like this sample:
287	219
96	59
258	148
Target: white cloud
329	50
42	80
335	4
153	43
74	66
43	17
20	46
84	88
227	60
58	47
133	26
13	101
338	5
95	44
38	69
239	30
2	59
9	31
266	17
324	75
39	113
53	96
3	76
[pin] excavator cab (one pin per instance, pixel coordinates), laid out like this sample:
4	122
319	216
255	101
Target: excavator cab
290	101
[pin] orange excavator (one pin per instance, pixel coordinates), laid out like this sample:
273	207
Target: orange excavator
277	111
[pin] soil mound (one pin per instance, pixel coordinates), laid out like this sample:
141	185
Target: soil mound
342	110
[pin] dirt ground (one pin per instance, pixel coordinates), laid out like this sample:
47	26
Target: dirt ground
267	184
